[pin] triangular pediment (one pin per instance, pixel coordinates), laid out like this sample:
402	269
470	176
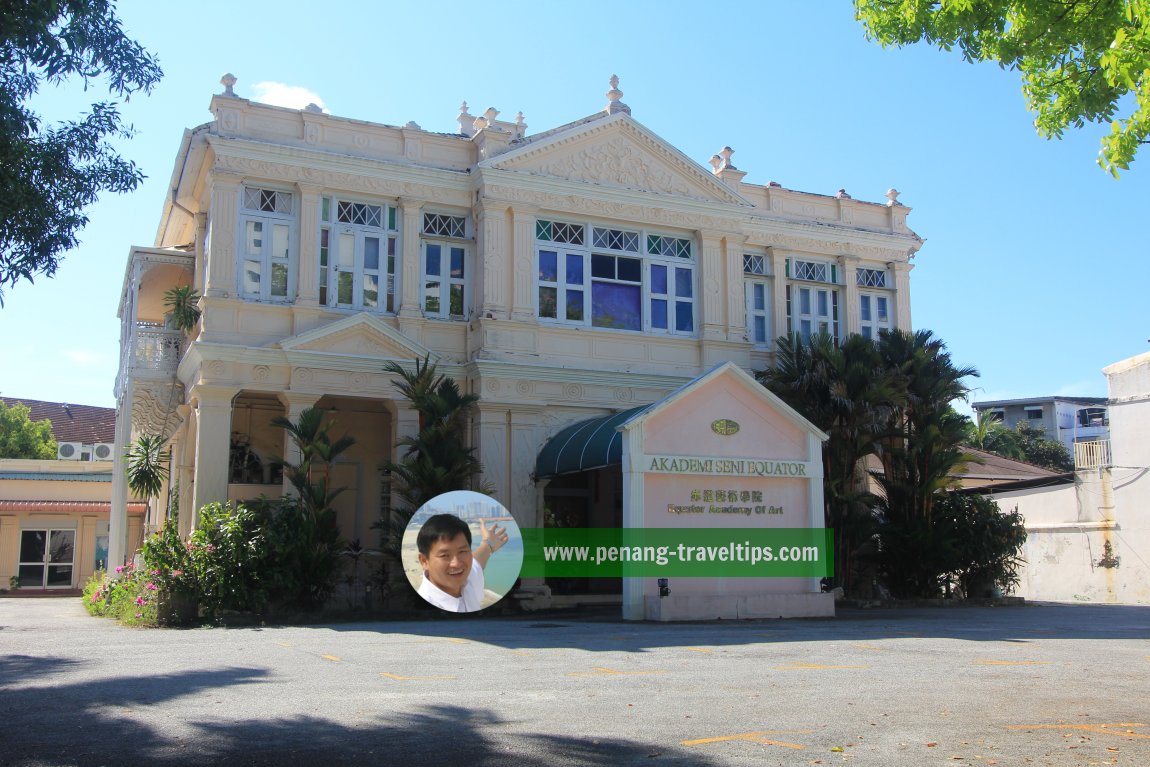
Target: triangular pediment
619	152
360	335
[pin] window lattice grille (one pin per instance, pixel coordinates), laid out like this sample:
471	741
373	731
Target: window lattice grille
440	225
753	264
871	278
616	239
267	200
811	270
359	213
556	231
659	245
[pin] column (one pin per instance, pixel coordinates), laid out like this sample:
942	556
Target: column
118	514
524	449
185	454
404	424
736	292
850	309
492	260
9	548
410	269
900	273
710	286
224	215
491	426
213	445
307	271
294	403
523	253
779	293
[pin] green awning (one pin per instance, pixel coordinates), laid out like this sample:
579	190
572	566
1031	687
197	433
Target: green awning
583	446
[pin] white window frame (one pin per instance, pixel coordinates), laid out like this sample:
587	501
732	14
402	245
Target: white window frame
802	291
755	286
444	282
674	297
266	259
869	304
336	236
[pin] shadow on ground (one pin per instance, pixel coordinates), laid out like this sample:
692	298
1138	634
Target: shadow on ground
106	722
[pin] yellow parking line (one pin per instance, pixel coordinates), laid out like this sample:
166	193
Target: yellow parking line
601	671
1105	728
399	678
330	657
862	646
699	649
991	662
815	666
754	737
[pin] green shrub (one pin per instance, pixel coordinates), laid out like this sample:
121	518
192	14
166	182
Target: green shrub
130	596
229	557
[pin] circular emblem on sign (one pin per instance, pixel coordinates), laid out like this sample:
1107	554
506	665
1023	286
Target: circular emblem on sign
724	427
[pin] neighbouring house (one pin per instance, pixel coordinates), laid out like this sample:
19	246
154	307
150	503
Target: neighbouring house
1089	541
564	276
54	514
1066	419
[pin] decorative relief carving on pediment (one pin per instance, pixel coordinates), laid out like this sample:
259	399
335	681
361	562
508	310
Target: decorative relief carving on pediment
619	162
360	341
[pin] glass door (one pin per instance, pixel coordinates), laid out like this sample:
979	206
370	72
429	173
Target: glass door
46	558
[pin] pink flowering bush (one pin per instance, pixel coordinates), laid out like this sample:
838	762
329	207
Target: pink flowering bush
123	595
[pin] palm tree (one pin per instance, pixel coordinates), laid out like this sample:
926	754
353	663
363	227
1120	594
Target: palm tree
845	391
987	433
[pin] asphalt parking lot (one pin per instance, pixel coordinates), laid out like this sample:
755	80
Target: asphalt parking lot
1040	684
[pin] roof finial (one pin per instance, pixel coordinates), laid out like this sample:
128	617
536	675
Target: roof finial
228	81
614	105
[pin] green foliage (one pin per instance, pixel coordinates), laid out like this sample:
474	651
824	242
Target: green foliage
1037	449
988	543
21	437
147	466
48	175
844	390
182	307
988	433
227	556
436	460
1080	62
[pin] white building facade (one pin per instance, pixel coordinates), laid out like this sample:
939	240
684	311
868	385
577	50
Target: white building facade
561	275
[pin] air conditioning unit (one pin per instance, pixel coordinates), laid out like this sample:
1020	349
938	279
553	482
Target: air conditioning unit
102	451
70	451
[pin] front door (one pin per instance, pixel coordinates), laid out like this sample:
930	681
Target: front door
47	558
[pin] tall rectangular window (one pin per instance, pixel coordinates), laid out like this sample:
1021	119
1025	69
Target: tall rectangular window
812	310
758	312
874	314
625	280
357	254
445	269
267	247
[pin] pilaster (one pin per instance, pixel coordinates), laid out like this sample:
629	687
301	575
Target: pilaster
850	308
524	426
307	292
221	271
779	293
900	271
411	224
710	285
493	258
736	292
201	251
523	254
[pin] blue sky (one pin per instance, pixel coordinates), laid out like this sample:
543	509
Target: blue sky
1035	264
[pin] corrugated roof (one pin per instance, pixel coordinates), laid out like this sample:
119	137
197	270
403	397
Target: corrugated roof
71	423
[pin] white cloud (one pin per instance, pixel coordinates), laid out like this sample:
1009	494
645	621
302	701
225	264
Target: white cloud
284	95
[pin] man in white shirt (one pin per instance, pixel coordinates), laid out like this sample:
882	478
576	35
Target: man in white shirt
452	572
